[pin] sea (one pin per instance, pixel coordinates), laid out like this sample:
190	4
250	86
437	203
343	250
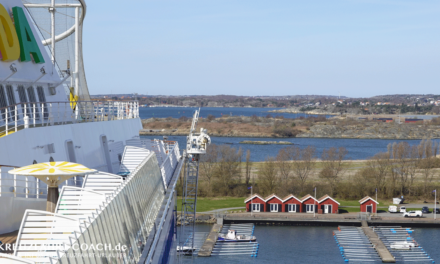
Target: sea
358	149
304	244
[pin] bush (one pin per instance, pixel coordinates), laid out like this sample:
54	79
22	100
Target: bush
210	117
285	131
183	118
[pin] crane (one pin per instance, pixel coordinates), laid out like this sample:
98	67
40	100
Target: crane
196	146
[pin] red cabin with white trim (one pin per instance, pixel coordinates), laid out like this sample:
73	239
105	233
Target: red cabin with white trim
274	204
328	205
368	205
309	204
291	204
256	202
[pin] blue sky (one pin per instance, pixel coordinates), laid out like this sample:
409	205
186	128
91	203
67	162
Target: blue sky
251	47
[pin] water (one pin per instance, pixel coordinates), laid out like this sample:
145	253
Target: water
358	149
176	112
299	244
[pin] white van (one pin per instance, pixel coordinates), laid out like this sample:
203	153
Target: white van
392	209
403	209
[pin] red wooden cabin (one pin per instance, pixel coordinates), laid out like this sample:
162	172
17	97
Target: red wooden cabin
368	205
257	202
309	204
274	204
291	204
328	205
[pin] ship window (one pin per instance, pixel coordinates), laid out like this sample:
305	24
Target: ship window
42	99
33	99
23	99
11	99
3	102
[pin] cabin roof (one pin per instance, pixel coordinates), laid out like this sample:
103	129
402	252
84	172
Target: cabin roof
256	195
272	196
366	198
325	197
290	196
308	196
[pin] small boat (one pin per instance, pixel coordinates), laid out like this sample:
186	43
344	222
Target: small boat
232	236
403	245
185	250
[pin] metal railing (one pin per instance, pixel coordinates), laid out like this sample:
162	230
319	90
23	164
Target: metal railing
127	217
169	164
27	115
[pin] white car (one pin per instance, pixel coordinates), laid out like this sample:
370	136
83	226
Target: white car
413	214
392	209
403	209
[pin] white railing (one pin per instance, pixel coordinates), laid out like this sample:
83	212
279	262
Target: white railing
27	115
169	165
28	186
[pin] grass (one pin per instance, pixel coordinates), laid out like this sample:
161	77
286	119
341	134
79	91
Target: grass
213	203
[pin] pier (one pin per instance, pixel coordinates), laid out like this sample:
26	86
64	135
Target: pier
377	243
303	219
208	246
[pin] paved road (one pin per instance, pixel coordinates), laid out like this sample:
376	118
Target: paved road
222	210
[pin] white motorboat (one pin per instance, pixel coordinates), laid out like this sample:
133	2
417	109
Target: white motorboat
403	245
232	236
185	250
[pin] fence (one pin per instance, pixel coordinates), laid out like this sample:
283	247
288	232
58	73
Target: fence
27	115
126	218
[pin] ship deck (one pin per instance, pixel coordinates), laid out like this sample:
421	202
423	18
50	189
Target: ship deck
8	238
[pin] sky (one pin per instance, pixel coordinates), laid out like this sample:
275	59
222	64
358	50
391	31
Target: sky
251	47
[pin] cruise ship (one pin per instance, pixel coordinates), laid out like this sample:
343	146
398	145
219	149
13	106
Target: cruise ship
122	207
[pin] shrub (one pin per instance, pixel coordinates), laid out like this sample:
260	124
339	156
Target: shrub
210	117
183	118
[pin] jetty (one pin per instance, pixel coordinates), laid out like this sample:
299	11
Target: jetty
377	243
208	246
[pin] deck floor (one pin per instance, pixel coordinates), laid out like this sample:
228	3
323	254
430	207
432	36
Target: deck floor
8	238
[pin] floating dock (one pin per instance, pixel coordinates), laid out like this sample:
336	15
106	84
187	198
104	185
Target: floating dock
366	244
207	247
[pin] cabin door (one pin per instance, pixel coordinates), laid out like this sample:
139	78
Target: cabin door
104	145
369	208
327	209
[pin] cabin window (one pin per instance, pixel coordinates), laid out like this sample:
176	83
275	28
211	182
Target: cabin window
291	208
23	99
3	102
255	207
42	99
274	207
11	99
310	208
33	99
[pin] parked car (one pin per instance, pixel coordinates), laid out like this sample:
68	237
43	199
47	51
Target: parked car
413	214
403	209
437	210
392	209
425	210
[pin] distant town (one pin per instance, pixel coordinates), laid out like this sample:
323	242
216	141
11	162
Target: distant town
318	104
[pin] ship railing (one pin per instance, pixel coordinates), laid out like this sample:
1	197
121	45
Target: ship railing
40	114
170	163
28	186
127	217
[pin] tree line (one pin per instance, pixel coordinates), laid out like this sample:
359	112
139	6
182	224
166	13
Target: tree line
401	170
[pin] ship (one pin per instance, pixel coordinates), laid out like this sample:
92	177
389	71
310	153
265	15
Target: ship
123	209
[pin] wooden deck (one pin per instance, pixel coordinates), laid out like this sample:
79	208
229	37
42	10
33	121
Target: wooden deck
8	238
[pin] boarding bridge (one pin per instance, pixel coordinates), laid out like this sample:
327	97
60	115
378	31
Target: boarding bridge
136	212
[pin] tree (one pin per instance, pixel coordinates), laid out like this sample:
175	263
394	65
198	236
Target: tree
268	176
248	167
332	166
379	167
304	162
208	163
227	172
285	165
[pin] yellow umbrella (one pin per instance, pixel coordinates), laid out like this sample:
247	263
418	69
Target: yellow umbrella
53	174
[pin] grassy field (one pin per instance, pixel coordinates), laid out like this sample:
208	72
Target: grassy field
214	203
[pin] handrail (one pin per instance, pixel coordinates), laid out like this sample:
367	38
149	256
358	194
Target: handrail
33	114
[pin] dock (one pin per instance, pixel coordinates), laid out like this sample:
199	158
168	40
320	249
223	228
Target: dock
377	243
8	238
208	246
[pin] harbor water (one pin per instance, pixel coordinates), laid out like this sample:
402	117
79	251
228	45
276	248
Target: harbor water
358	149
299	244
